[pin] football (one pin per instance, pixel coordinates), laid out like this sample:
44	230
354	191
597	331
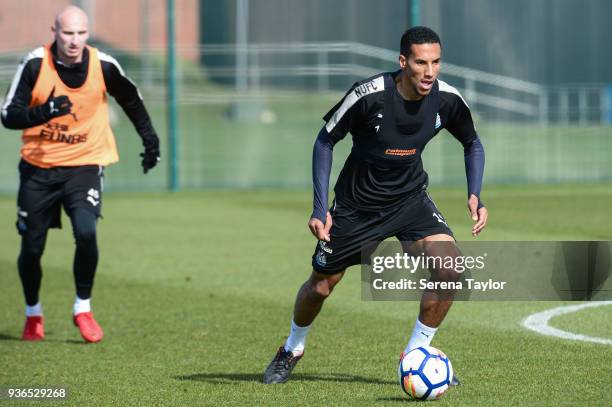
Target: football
425	373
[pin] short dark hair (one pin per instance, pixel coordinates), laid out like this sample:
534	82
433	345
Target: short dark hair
417	35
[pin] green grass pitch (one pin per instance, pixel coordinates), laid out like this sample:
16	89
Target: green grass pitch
195	293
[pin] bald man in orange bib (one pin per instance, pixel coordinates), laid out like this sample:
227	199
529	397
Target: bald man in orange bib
58	97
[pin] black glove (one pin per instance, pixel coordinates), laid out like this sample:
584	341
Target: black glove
53	107
150	158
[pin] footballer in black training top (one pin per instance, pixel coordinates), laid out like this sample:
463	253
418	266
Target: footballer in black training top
381	191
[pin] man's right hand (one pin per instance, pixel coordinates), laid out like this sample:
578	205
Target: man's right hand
55	106
320	230
59	106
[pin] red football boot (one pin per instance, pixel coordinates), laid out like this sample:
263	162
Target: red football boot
89	328
34	329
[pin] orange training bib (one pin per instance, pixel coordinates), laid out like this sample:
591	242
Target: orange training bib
84	136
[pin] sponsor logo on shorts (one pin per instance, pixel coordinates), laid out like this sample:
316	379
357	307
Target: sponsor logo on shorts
399	152
93	196
321	257
22	227
21	213
439	218
323	246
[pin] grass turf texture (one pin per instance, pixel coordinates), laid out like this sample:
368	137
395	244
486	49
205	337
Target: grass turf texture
593	322
195	293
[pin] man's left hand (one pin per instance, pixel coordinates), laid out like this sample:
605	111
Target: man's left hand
479	215
150	158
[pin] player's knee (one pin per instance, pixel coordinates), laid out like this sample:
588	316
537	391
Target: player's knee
32	249
84	227
444	247
446	274
85	236
452	276
323	287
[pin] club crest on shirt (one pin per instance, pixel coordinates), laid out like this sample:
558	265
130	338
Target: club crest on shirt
438	121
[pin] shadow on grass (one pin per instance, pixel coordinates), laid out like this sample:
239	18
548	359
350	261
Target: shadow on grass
227	378
49	338
75	342
398	399
5	337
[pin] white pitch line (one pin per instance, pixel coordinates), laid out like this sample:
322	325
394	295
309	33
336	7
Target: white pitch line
538	322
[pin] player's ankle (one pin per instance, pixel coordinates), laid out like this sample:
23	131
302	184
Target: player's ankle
422	335
296	342
81	305
34	310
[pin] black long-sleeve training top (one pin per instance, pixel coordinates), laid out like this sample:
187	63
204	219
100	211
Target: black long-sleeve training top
17	115
389	135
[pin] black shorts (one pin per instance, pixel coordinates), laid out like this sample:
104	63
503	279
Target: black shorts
352	229
43	191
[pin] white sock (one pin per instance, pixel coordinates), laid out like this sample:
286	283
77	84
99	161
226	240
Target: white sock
81	305
297	339
421	336
34	310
